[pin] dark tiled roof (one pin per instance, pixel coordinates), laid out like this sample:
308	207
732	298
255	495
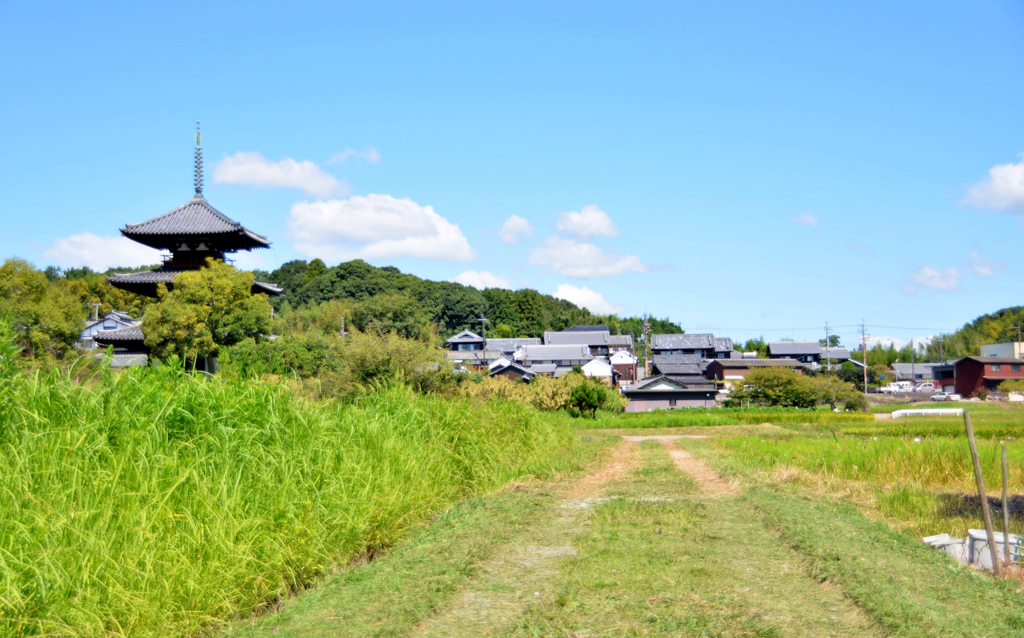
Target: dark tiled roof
678	369
587	329
755	363
998	360
698	385
682	342
166	276
194	218
836	353
675	359
121	335
557	353
723	344
620	340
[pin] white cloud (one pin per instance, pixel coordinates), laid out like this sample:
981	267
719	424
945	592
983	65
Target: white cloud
586	298
919	342
99	253
515	229
589	221
984	267
1003	190
806	218
947	280
480	280
252	169
249	260
577	259
370	155
375	227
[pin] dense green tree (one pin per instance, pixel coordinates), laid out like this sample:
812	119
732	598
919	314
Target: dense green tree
46	317
391	312
205	310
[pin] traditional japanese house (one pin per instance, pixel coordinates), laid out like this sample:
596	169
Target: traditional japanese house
190	234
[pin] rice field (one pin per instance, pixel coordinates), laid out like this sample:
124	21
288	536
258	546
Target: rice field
691	417
156	502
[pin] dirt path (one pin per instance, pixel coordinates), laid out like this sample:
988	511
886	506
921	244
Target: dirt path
522	573
708	480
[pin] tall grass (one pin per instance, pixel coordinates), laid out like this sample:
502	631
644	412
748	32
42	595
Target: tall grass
985	425
157	502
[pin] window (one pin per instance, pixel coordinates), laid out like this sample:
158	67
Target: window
1014	368
671	403
996	367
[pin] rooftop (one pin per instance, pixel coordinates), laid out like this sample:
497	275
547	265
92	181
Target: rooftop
198	219
683	341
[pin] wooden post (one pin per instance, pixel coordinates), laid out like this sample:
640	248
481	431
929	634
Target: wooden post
1006	510
996	565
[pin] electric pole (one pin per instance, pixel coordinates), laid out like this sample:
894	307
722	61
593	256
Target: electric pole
828	350
864	350
647	347
483	327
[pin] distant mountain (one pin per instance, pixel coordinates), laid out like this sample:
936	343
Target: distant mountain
452	306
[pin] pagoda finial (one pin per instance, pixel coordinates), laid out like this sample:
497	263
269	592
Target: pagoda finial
199	164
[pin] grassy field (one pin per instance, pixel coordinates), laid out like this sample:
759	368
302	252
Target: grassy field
696	417
654	556
156	502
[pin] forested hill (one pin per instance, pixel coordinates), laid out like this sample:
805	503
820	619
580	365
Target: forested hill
998	327
451	306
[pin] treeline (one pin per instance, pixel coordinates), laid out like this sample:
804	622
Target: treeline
451	307
999	327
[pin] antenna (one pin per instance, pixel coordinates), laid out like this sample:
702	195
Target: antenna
199	164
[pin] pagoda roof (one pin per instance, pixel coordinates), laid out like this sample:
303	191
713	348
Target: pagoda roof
145	282
196	218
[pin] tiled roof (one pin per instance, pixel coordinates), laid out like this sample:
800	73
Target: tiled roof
620	340
836	353
678	369
798	348
466	336
599	328
1000	360
556	353
166	276
674	359
194	218
588	337
723	344
511	345
121	335
682	341
755	363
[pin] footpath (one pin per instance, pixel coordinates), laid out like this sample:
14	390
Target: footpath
655	542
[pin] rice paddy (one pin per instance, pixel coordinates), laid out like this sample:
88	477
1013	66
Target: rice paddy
157	502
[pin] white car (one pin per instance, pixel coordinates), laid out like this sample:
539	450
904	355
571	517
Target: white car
945	396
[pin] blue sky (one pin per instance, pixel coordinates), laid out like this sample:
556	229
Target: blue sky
748	169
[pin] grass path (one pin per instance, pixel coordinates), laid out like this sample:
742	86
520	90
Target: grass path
655	543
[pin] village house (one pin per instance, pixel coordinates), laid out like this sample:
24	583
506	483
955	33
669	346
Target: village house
598	339
723	370
113	320
810	352
971	374
916	372
664	393
624	362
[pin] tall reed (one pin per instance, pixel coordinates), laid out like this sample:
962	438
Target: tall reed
156	502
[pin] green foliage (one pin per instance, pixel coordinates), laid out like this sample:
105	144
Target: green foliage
391	312
778	386
451	307
691	417
155	502
587	397
46	317
1012	385
206	309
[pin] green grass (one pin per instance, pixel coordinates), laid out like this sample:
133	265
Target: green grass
156	502
692	417
986	425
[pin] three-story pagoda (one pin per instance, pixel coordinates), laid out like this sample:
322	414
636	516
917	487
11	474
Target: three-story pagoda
191	234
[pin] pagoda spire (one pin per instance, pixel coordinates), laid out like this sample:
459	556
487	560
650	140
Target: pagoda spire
199	165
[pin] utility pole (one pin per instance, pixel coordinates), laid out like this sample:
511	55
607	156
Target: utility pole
828	350
483	326
95	312
913	377
646	346
864	350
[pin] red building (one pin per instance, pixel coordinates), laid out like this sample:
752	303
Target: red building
974	373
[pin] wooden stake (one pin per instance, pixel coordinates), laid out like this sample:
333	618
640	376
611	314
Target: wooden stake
1006	510
996	565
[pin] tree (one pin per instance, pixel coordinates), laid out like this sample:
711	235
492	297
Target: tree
776	386
391	312
831	342
587	397
46	317
1012	385
206	309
